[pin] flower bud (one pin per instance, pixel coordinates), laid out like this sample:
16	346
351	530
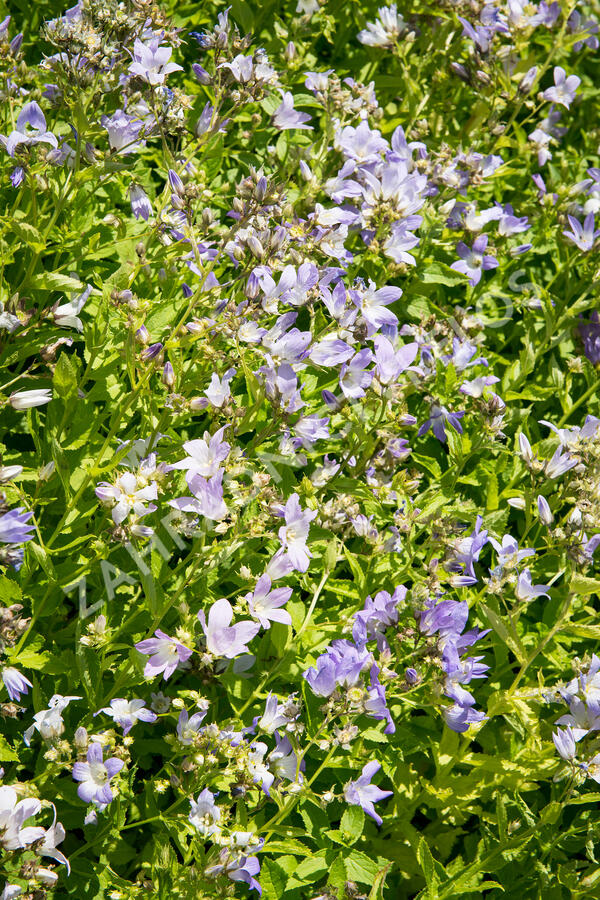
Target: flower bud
81	738
168	375
544	511
411	676
528	80
142	335
28	399
201	74
176	183
7	473
151	352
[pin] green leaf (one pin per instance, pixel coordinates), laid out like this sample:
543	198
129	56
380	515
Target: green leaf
376	892
10	592
361	868
427	865
273	880
65	377
54	281
352	824
581	584
438	273
7	754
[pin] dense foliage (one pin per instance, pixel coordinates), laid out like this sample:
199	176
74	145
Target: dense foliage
299	454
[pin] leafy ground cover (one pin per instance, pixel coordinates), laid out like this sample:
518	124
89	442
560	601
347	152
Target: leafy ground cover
300	450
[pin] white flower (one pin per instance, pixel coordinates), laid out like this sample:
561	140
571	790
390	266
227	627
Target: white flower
49	721
13	813
28	399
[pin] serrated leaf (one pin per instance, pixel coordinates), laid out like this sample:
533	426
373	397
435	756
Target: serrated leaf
352	824
7	754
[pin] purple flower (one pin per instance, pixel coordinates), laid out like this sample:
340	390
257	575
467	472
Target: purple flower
565	743
448	618
294	533
189	726
204	455
590	335
364	794
123	131
375	703
477	387
373	305
31	129
508	551
95	776
166	654
466	550
331	351
274	716
15	683
14	527
151	61
322	677
218	392
127	496
564	88
244	868
438	417
127	712
141	207
580	718
283	762
378	614
583	236
544	511
391	363
286	117
525	590
205	814
474	260
354	380
363	144
459	718
264	604
223	639
207	500
559	464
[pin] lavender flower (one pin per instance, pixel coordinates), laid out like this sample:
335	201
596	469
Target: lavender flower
385	30
166	654
123	131
364	794
564	742
286	117
294	533
15	527
474	260
223	639
95	776
525	590
583	236
205	814
15	683
564	89
438	417
151	62
590	335
264	604
31	129
141	207
127	712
